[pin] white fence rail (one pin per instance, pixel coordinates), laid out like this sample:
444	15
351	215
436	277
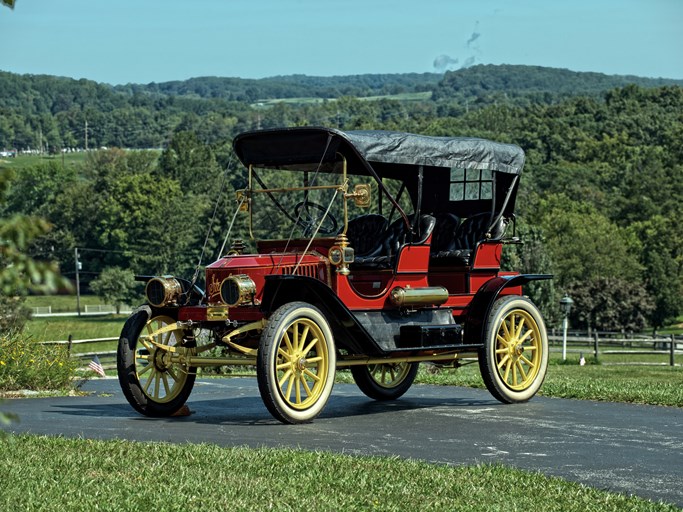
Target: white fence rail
604	344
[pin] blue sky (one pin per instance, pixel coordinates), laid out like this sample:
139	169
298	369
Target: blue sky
142	41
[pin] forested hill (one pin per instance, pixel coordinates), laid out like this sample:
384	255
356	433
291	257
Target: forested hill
291	86
36	94
477	81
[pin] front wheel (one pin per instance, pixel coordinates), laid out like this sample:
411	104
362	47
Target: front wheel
387	381
151	380
296	363
514	360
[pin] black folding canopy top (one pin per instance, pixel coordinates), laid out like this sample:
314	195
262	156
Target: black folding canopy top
287	146
383	154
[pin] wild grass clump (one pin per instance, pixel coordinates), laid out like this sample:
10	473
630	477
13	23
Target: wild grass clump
25	364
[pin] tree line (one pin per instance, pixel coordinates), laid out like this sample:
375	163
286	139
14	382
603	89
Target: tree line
598	207
51	114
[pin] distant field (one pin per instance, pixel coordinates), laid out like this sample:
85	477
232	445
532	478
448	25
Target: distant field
24	161
62	303
407	96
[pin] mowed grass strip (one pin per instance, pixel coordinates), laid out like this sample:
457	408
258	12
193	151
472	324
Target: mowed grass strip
42	473
654	385
80	328
62	303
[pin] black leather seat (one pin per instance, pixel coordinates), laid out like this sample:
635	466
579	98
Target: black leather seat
365	233
395	237
443	240
467	236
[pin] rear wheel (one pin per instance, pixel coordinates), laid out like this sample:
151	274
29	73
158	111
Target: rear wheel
151	382
514	359
386	381
296	363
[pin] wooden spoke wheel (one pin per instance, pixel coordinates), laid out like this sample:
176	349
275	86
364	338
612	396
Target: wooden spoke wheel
152	381
387	381
514	359
296	363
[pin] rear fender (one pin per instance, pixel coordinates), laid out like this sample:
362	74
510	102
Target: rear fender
482	302
348	332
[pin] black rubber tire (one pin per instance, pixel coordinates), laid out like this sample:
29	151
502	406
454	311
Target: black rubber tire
134	390
509	375
310	396
365	378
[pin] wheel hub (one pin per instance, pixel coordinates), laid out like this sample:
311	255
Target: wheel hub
162	360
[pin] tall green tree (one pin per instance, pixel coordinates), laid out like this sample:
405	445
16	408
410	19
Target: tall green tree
117	287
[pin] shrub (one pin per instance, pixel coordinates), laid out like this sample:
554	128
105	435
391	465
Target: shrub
25	364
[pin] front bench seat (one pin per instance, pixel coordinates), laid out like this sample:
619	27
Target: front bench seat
365	233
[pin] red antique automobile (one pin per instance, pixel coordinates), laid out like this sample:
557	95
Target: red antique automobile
371	251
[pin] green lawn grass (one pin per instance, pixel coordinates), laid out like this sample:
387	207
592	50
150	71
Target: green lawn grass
655	385
59	328
41	473
25	161
62	303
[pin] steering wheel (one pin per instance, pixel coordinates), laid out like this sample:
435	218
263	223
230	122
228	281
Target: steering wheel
309	214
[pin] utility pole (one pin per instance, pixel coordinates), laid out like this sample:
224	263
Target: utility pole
78	284
86	135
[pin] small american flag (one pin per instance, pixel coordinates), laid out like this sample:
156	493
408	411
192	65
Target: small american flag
96	366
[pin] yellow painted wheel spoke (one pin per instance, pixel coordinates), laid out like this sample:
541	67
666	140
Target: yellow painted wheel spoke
507	331
144	370
303	336
514	374
503	361
521	371
164	379
172	374
295	331
297	390
288	342
285	355
290	385
520	326
284	378
507	369
529	363
157	382
312	375
310	346
149	381
283	366
308	389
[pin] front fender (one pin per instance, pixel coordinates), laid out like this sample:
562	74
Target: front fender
482	302
348	332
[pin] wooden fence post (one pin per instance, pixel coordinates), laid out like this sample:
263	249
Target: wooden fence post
68	345
596	346
672	350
